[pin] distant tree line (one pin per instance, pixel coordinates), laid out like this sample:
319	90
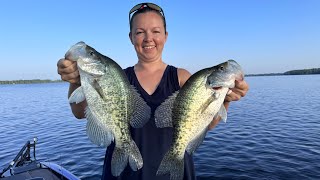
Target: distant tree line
30	81
267	74
303	71
292	72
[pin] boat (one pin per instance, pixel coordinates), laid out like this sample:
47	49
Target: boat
24	167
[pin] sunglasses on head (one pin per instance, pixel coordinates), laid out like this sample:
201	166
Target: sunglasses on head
144	5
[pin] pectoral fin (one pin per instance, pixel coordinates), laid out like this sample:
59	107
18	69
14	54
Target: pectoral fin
77	96
223	113
163	114
141	113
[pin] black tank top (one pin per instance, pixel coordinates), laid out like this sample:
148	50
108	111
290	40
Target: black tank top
153	142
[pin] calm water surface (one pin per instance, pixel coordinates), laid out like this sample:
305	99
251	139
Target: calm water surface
272	133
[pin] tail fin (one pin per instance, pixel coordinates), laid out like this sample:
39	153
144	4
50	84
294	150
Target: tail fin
172	164
121	156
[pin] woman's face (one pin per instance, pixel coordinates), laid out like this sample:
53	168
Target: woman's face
148	36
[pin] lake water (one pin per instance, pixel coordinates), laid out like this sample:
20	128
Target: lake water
272	133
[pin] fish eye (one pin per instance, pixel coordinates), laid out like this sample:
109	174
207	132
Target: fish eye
91	53
221	68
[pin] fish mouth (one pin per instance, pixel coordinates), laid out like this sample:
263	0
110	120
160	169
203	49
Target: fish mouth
217	88
75	51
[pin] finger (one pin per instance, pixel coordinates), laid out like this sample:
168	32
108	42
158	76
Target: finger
63	63
239	92
69	69
227	99
75	81
241	88
71	77
232	97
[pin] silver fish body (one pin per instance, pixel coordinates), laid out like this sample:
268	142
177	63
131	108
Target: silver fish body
191	110
112	105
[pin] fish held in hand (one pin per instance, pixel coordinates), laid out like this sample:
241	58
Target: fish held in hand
112	105
191	110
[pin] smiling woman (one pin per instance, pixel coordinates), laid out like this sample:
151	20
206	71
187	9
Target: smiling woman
155	81
148	36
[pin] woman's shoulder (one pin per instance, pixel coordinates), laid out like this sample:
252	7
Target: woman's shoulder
183	76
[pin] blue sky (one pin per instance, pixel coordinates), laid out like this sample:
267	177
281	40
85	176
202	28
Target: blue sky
264	36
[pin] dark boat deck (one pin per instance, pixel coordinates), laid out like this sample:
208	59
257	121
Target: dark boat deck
36	174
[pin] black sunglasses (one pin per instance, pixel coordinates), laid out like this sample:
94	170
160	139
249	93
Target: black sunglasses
144	5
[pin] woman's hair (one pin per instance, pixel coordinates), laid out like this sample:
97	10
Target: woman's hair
145	10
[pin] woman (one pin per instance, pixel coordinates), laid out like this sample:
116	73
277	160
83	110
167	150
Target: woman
155	81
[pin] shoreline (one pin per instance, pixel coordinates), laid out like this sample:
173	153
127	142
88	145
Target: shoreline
313	71
32	81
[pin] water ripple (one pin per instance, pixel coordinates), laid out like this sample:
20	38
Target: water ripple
273	133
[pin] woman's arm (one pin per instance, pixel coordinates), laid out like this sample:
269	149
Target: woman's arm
69	72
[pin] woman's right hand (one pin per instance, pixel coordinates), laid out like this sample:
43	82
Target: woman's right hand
68	71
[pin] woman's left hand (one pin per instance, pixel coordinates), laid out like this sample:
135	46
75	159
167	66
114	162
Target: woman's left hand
240	90
235	94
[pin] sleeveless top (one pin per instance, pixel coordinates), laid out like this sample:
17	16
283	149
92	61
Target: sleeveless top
152	142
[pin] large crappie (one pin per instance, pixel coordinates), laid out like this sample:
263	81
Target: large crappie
191	110
113	104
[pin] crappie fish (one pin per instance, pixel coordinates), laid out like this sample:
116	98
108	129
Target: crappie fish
191	110
112	105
